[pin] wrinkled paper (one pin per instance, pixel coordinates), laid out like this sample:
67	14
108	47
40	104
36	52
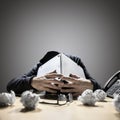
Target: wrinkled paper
7	98
116	102
87	97
100	95
29	99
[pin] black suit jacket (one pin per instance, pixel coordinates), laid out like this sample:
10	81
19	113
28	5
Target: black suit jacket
23	83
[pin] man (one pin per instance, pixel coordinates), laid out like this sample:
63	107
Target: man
75	85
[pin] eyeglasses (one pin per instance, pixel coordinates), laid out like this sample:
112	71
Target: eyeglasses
62	99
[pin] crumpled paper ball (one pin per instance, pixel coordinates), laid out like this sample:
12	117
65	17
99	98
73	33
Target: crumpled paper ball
87	97
116	102
30	100
100	95
7	98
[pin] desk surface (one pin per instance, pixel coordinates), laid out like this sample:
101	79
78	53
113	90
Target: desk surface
73	111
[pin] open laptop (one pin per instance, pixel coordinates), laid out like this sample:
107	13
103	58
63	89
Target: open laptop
63	65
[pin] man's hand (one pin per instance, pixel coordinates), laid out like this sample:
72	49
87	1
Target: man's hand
75	85
47	83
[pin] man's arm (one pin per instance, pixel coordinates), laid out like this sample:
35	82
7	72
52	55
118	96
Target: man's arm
22	83
31	81
87	75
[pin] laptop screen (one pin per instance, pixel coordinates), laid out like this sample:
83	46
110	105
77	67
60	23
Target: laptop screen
63	65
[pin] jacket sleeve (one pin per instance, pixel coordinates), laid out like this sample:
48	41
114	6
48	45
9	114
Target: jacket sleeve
87	75
22	83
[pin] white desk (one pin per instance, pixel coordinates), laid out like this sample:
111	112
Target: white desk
73	111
